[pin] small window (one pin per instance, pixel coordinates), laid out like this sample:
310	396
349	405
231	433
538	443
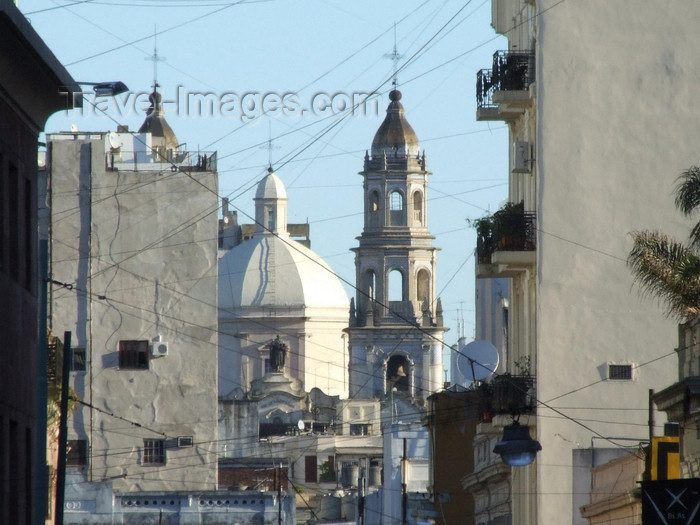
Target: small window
362	429
620	372
270	218
77	362
76	453
133	355
154	452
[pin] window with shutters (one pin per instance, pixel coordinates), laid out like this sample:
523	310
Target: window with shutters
133	355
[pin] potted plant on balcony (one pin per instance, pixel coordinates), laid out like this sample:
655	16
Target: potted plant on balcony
513	393
510	226
484	238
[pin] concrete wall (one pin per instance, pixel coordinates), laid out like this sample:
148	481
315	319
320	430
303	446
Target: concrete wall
138	250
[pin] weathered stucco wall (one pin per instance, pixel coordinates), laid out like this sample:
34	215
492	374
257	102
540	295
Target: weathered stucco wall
140	250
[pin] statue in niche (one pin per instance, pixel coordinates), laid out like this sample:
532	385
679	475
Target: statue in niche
278	354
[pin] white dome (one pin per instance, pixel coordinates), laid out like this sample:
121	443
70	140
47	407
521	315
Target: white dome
271	187
277	271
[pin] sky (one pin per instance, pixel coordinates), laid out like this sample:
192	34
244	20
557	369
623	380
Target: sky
284	70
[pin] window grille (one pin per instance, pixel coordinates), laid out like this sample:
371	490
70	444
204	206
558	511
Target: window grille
154	452
620	372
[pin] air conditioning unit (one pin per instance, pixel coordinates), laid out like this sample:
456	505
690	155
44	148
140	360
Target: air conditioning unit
185	441
159	349
521	157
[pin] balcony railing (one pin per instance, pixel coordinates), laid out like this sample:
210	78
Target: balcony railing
505	231
512	71
507	394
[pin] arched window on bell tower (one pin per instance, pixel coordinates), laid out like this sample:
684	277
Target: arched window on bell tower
369	287
398	373
396	287
374	212
417	208
423	286
396	209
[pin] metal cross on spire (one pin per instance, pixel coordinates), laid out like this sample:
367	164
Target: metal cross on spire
269	147
395	57
155	59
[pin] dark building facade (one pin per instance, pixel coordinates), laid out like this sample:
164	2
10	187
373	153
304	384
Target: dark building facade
33	85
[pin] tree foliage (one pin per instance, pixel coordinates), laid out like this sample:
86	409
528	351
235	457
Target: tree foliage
666	268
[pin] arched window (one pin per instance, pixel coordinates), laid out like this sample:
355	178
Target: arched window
374	209
398	373
370	285
396	287
396	201
270	213
423	286
417	208
396	209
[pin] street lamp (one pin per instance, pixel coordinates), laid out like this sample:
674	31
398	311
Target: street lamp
517	448
106	89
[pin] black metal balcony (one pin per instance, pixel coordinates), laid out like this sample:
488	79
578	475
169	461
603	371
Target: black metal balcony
510	229
512	71
507	394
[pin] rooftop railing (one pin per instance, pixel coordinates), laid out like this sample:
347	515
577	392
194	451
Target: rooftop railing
158	160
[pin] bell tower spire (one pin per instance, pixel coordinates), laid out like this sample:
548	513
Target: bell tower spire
397	323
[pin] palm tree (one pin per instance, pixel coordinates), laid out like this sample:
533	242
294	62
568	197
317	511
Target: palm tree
668	269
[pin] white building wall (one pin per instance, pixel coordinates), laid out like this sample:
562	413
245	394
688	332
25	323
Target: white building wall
611	128
624	78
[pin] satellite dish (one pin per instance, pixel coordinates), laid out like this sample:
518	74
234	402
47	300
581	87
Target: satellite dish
478	360
74	128
300	425
114	140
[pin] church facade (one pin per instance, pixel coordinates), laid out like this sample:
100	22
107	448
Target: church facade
270	286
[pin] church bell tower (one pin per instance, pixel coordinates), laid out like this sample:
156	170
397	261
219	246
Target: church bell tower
396	328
